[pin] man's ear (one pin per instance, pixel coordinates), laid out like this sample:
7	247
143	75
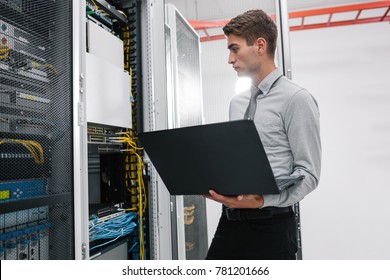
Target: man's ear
261	44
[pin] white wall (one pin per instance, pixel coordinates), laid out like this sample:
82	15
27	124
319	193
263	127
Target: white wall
217	77
347	69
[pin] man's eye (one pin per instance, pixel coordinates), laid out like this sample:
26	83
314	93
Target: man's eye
234	50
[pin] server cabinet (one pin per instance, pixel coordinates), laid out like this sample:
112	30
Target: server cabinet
114	197
70	82
36	130
187	111
173	98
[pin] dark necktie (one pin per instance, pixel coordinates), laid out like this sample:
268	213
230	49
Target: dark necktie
251	110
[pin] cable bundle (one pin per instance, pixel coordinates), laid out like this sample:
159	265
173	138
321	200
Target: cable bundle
112	229
32	146
4	51
141	192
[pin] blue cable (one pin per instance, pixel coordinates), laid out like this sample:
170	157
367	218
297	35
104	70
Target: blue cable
112	229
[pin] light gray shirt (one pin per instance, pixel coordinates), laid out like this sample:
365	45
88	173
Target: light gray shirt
287	120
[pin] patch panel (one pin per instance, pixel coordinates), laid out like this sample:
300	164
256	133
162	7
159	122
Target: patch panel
33	101
24	232
106	149
96	138
102	130
102	135
93	13
97	220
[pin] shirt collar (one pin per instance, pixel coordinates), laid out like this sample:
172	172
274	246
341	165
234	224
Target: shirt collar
266	84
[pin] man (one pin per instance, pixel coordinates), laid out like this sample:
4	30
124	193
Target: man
287	120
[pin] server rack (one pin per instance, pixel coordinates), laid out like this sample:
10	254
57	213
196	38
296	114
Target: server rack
116	189
187	110
36	132
170	68
61	157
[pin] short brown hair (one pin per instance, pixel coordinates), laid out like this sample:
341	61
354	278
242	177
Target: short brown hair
252	25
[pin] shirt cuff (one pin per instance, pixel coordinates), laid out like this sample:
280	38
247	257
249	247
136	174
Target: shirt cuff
269	200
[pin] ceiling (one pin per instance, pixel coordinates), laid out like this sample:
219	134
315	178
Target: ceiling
225	9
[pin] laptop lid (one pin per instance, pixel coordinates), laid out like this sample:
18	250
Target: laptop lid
227	157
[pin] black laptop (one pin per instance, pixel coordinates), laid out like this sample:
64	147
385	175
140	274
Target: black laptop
227	157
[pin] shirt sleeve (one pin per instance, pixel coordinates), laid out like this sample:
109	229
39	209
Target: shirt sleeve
302	125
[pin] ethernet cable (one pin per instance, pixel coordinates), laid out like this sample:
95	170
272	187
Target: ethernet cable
112	229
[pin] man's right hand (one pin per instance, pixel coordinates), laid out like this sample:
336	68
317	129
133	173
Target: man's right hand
239	201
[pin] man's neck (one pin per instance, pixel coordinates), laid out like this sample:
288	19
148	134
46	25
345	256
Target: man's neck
265	70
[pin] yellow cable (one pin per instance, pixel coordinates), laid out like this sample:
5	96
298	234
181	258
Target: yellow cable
35	64
130	209
122	13
50	67
4	51
96	6
4	48
132	149
142	198
33	147
131	79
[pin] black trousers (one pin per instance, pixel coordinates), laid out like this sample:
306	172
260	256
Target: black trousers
272	238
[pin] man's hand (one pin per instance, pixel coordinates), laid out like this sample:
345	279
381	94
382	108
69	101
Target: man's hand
240	201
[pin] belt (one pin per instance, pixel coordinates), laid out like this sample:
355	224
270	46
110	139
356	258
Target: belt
236	214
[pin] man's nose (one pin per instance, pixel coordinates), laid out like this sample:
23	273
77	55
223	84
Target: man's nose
231	59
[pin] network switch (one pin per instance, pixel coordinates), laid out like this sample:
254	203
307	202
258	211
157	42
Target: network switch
23	189
24	44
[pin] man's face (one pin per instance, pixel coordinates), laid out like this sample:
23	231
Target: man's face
242	57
